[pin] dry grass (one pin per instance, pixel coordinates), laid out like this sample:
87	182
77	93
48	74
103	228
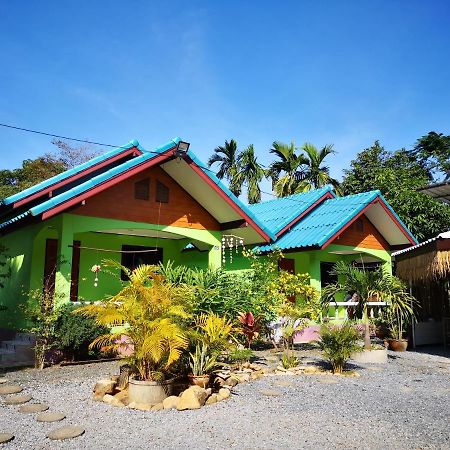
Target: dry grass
432	265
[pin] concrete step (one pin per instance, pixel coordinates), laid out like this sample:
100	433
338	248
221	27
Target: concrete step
26	337
15	345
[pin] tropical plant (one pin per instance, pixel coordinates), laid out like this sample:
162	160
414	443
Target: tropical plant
250	173
316	174
288	329
240	356
250	326
287	171
214	331
151	312
338	342
203	361
227	158
289	360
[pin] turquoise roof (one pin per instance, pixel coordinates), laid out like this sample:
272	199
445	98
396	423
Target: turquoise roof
278	213
324	221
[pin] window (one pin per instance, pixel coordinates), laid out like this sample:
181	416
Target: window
326	274
137	255
162	192
142	189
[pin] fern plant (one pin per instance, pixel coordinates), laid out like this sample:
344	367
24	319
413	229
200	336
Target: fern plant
151	313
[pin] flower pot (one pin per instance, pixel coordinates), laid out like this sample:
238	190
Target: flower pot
199	380
398	345
149	392
378	356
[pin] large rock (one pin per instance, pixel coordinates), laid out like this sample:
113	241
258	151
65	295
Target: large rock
223	394
192	398
158	407
171	402
123	396
111	400
213	398
103	387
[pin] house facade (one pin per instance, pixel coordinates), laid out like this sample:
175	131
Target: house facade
137	206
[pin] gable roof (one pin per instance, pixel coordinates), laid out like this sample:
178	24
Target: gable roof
282	213
225	204
330	218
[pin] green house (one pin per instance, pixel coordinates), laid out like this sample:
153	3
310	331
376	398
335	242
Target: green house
138	206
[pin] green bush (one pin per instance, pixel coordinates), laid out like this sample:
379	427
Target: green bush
240	355
74	333
338	343
289	360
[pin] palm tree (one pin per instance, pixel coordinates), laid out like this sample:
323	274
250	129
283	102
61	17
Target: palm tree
287	172
250	173
315	174
226	156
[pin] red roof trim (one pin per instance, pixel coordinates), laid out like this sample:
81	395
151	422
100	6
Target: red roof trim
324	197
225	197
49	189
377	200
101	187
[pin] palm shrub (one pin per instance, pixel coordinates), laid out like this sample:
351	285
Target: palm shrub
338	343
214	331
152	314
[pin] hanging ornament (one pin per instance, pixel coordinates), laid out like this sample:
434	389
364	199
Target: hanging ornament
232	243
96	269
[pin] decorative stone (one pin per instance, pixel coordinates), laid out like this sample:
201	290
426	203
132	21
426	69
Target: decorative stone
140	406
18	399
235	379
103	387
223	394
123	396
284	383
62	433
171	402
10	389
111	400
3	380
157	407
6	437
213	398
271	392
192	398
33	408
50	417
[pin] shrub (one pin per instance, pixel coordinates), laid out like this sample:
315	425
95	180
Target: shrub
338	343
288	360
240	355
74	333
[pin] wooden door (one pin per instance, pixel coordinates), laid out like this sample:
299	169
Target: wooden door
51	257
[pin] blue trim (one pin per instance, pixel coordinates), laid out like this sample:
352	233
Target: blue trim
14	219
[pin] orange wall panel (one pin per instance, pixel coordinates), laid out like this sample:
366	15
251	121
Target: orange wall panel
367	237
118	202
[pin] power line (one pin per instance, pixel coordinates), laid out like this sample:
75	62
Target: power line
57	136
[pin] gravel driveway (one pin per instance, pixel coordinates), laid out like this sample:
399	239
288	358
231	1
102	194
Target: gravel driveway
404	405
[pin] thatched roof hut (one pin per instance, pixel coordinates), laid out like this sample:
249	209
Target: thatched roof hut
427	261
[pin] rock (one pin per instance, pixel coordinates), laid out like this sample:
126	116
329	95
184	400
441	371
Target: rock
234	380
3	380
6	437
33	408
141	406
122	396
223	394
171	402
158	407
213	398
18	399
311	369
103	387
50	417
115	378
271	392
111	400
246	365
283	383
69	432
256	375
192	398
10	389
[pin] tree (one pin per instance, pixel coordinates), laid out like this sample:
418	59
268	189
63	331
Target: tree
250	173
33	171
227	156
433	152
398	175
317	175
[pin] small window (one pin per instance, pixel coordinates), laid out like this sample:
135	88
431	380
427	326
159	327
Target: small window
327	274
359	224
142	189
135	255
162	192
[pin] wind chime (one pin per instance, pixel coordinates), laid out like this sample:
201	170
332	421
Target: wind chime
230	242
96	269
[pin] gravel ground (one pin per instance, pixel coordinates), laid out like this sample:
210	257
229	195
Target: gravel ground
403	405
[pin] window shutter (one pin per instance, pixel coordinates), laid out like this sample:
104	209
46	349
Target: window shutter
142	189
162	192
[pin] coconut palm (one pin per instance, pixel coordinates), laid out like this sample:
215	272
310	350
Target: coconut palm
250	174
316	174
150	312
287	172
227	155
373	285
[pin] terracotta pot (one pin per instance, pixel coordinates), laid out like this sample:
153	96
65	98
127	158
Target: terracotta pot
199	380
149	392
398	345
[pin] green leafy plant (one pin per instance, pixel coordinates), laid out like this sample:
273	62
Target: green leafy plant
240	356
202	361
338	343
151	313
214	331
289	360
74	333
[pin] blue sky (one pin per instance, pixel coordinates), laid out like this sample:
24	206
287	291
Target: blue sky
343	72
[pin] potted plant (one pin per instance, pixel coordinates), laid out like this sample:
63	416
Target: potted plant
149	313
202	364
